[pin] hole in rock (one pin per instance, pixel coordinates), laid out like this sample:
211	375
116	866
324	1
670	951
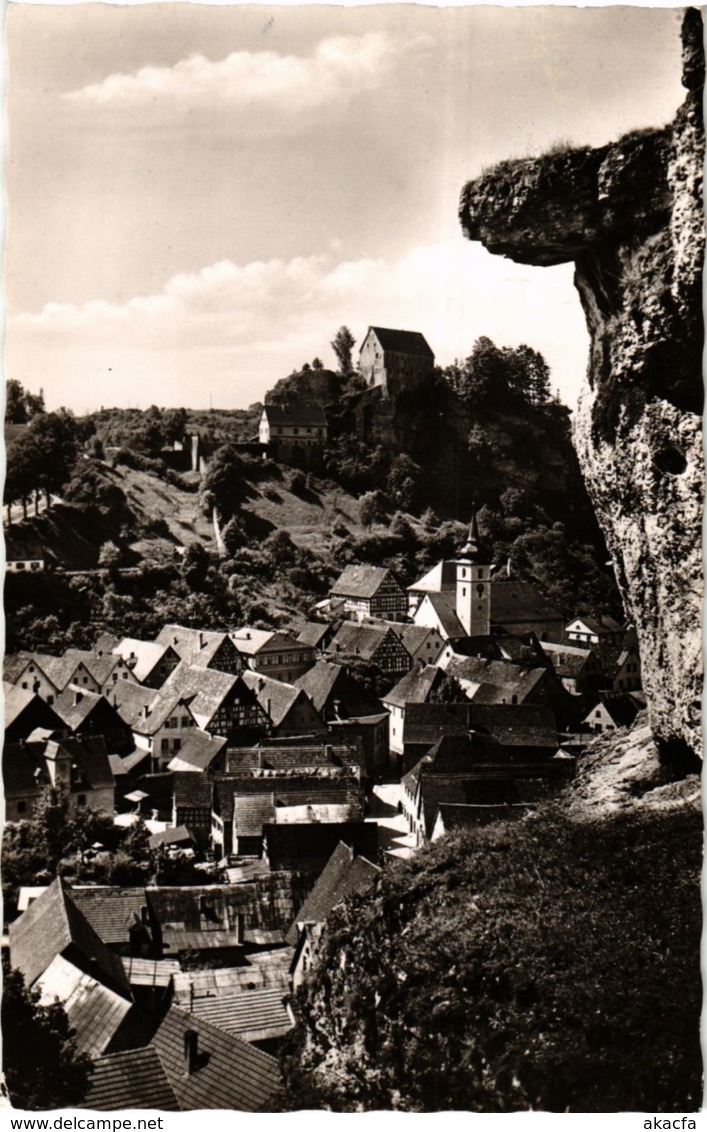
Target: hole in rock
671	460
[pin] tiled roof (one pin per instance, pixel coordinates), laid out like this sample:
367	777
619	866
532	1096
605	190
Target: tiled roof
191	789
494	681
95	1013
74	705
229	1073
198	750
344	874
402	341
623	707
18	700
461	816
59	669
175	835
251	812
426	723
515	601
599	625
105	643
524	725
53	923
188	642
229	980
150	972
133	1079
439	788
416	637
312	632
14	664
274	696
100	667
90	754
442	576
360	581
251	642
309	847
295	757
326	683
252	1015
445	606
361	640
304	414
130	700
24	770
415	687
110	910
147	655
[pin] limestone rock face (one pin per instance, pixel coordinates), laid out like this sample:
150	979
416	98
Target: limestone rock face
630	217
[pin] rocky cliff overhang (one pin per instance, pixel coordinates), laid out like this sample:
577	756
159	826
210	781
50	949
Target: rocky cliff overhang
630	216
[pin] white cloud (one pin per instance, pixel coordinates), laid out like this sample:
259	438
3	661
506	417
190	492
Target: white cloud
339	66
235	329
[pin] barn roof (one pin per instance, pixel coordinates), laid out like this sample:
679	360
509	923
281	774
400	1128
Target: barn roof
94	1011
402	341
229	1073
252	1015
305	414
274	696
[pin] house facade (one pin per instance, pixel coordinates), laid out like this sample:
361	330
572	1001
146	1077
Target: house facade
370	591
297	434
395	359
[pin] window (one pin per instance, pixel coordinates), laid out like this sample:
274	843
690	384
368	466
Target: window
50	700
463	591
164	745
22	807
176	744
24	683
20	565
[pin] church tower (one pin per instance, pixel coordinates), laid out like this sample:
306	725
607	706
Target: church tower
474	585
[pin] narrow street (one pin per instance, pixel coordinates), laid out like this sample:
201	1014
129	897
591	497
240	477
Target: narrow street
393	836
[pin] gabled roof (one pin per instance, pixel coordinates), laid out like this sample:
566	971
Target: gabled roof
442	576
312	632
90	754
100	667
58	669
251	641
401	341
105	643
599	625
18	700
195	646
94	1011
445	606
275	697
130	700
566	660
75	705
251	812
415	638
198	751
623	707
252	1015
177	835
425	723
360	581
229	980
229	1073
191	789
344	874
111	911
282	758
24	769
51	925
325	680
14	664
495	681
362	640
133	1079
303	414
147	654
416	686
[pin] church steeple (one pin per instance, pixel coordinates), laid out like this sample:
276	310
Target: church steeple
473	584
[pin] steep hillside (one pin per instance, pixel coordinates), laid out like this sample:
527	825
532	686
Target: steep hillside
521	965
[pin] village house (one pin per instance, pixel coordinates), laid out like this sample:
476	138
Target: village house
627	670
88	713
150	662
80	764
502	682
274	654
369	591
24	671
613	710
345	874
200	752
416	687
335	694
452	817
372	644
220	703
296	758
26	555
425	645
307	848
202	648
132	1078
317	634
288	709
25	711
282	799
578	669
159	721
394	360
594	631
296	433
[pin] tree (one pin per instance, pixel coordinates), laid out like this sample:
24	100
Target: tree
342	346
448	691
109	555
372	508
402	481
317	363
174	425
43	1068
195	565
20	404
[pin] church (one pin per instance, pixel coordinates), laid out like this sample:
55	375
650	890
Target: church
468	597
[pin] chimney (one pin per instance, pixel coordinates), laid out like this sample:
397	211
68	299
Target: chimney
145	711
191	1051
144	915
201	639
175	640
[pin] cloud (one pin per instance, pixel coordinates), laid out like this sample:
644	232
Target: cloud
235	329
340	66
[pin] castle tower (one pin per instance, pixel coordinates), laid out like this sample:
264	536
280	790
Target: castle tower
474	585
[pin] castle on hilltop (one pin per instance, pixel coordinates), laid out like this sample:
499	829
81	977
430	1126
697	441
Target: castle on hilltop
394	360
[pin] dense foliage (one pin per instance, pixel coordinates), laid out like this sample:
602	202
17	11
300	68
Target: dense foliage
545	964
20	404
42	1067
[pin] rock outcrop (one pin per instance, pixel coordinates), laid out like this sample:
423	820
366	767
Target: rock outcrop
630	216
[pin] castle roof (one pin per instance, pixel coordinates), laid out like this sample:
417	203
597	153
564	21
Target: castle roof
402	341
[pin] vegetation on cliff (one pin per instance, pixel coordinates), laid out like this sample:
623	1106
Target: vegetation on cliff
512	967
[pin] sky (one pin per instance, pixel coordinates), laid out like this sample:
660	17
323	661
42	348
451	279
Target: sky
198	197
